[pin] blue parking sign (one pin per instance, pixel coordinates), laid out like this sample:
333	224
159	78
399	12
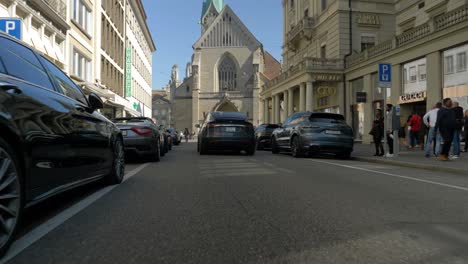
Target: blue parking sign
11	26
385	73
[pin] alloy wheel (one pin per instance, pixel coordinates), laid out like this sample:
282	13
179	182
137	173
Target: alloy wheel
295	147
9	197
119	156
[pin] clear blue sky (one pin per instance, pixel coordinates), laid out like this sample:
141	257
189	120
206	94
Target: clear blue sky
174	27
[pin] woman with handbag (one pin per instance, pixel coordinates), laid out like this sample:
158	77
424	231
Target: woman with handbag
377	133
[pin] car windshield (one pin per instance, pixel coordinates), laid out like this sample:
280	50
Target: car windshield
234	131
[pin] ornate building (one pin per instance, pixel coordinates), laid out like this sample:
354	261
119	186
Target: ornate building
228	68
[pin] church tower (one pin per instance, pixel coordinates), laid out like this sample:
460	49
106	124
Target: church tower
210	10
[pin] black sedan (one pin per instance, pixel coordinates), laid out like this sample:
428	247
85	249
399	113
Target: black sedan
312	133
263	135
226	131
141	137
52	138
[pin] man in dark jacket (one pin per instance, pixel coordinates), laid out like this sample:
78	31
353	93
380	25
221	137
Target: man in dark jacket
446	123
458	111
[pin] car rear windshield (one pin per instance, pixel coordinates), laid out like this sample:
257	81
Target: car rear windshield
326	118
272	126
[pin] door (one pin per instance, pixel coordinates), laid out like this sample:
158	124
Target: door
282	133
90	152
44	123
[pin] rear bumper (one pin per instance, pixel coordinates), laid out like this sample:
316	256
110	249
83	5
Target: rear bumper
228	144
264	141
140	146
323	146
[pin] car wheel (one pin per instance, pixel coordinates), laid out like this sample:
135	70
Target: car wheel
162	149
11	196
156	157
202	149
251	151
259	146
296	148
344	155
274	146
118	164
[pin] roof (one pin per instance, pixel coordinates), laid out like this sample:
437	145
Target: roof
218	4
272	67
229	116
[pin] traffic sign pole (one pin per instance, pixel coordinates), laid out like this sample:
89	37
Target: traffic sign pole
385	81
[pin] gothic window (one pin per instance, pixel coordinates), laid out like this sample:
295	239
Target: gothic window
227	75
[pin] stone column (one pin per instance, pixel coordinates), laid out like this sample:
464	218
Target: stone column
273	109
285	105
302	97
397	82
195	98
290	101
368	115
265	111
309	96
434	79
277	116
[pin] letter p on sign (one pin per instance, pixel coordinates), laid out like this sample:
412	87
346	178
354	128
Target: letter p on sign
11	26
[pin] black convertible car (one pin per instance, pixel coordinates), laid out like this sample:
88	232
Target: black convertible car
52	139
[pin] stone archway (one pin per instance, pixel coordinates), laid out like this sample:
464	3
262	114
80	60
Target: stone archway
225	105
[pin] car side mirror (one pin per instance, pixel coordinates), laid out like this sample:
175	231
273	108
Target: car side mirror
95	102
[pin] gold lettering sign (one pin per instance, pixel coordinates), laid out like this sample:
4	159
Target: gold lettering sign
368	19
414	97
326	91
327	77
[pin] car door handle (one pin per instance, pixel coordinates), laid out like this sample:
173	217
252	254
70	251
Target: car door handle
10	88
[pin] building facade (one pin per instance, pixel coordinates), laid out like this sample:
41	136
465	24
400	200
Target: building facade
44	26
317	36
226	71
162	108
428	53
139	63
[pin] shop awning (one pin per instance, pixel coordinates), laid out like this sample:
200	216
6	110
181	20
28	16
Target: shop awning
95	88
131	111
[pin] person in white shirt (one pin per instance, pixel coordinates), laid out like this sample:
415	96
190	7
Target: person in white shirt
430	120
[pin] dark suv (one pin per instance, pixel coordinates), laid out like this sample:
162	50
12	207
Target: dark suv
263	135
52	139
312	133
226	131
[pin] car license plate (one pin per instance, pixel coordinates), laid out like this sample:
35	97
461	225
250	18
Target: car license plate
332	132
230	129
124	133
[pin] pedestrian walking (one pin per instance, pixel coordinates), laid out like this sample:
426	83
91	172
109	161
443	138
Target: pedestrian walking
445	125
377	133
186	134
458	111
466	130
389	131
430	119
415	124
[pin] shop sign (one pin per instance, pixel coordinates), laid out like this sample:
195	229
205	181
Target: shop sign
368	19
324	101
328	77
413	97
128	73
325	91
361	97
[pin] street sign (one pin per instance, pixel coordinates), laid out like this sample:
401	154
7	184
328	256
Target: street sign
361	97
385	73
11	26
128	73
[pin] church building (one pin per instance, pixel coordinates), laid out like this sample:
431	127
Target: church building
226	72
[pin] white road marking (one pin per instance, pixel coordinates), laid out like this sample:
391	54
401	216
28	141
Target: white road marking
285	170
396	176
40	231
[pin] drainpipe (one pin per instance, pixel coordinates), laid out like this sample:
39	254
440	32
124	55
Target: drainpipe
345	110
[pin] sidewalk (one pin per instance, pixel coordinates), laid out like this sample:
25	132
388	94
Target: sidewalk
413	159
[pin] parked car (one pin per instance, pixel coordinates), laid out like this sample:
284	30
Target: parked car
226	131
311	133
52	138
263	135
167	143
141	137
175	136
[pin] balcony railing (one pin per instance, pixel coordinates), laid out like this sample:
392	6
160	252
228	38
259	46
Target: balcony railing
58	6
304	26
437	24
308	65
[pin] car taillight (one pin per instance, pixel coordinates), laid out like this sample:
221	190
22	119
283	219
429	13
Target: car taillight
142	131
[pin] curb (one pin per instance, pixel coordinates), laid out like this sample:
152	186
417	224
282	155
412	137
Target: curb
414	165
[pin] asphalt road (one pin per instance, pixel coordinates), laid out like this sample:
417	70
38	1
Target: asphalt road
261	209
